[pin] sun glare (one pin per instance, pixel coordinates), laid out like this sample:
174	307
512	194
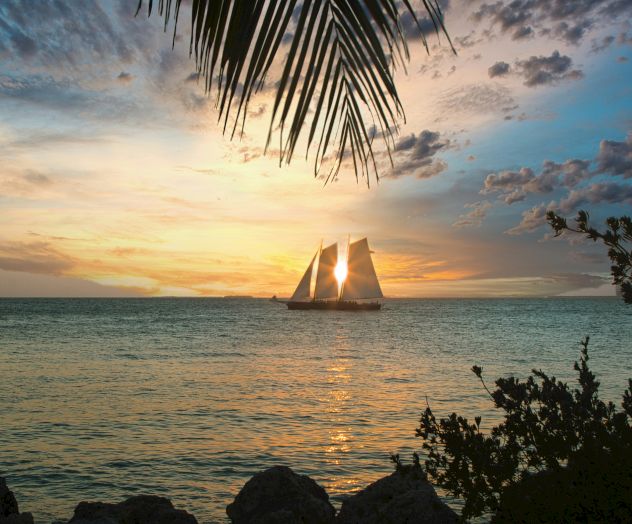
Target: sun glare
341	271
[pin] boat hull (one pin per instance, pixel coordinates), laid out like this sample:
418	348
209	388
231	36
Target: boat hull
338	305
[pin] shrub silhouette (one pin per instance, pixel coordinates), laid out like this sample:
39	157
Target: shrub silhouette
560	455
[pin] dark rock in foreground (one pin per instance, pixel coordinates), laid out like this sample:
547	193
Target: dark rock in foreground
142	509
280	496
8	504
9	511
404	497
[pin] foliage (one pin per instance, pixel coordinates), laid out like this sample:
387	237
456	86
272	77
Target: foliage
340	64
618	234
551	434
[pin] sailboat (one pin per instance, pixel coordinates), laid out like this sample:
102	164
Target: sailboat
361	282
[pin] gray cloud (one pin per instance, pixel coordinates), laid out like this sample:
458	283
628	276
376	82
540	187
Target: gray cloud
578	280
514	186
615	158
38	179
498	69
193	77
522	33
603	44
567	20
60	34
545	70
39	92
532	219
605	192
33	257
417	152
571	33
425	28
476	98
125	77
475	217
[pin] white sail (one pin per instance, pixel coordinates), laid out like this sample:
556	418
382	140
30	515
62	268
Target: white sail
326	283
303	290
361	279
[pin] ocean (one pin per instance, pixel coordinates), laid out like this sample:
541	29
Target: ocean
188	398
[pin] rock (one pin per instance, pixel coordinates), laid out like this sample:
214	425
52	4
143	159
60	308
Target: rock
8	504
404	497
280	496
142	509
22	518
9	512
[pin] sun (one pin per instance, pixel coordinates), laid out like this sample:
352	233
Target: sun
340	272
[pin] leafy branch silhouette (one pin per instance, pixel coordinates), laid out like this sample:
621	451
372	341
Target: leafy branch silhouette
339	67
617	238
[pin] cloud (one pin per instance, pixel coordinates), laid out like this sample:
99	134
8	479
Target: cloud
23	183
55	35
604	192
426	27
615	158
563	19
532	219
475	217
17	284
25	46
36	178
571	34
513	186
546	70
43	139
498	69
69	97
124	77
578	280
510	18
417	152
475	99
601	45
33	257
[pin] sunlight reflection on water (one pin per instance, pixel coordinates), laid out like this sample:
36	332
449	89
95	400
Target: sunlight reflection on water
187	398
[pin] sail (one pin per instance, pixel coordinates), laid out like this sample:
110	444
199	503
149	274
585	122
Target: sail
326	283
303	291
361	279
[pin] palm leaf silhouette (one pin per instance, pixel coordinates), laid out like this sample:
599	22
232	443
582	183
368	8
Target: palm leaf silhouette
340	64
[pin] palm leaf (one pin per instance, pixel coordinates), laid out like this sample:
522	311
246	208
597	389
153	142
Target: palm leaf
339	65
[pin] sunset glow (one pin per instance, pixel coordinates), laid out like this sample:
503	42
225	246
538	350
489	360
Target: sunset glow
341	272
117	180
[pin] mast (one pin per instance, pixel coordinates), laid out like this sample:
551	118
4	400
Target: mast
320	250
342	286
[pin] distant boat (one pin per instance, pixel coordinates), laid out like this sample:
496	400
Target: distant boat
361	282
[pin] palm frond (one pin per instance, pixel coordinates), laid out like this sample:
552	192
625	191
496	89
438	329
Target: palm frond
339	65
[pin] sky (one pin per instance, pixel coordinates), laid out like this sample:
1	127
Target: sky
116	179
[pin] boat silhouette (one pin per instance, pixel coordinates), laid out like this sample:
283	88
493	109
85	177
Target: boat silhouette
360	283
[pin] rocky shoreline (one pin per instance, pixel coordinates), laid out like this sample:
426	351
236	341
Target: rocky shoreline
277	495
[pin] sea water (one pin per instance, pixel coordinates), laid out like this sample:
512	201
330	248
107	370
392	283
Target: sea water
188	398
